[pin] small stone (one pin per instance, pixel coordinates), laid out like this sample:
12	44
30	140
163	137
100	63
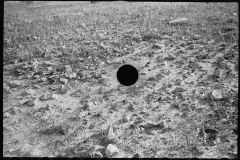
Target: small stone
111	150
110	137
68	68
86	107
23	101
36	86
169	57
216	95
196	37
14	83
126	118
73	75
6	115
44	79
98	154
50	68
109	62
177	89
76	112
54	96
178	21
63	80
223	73
109	140
5	87
166	37
44	97
217	73
29	92
63	89
22	77
33	102
83	25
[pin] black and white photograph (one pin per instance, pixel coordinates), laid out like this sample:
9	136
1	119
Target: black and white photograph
120	79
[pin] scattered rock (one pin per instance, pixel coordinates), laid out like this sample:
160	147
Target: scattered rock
136	155
6	115
98	154
53	79
33	102
166	37
111	150
45	97
15	83
169	57
50	68
6	88
212	42
216	95
23	101
76	112
126	118
54	96
72	75
223	73
63	80
86	106
109	62
29	92
36	86
157	46
68	68
22	77
44	79
177	89
178	21
196	37
63	89
110	137
54	87
216	73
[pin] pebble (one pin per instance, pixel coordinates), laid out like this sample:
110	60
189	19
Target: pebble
44	97
15	83
36	86
6	115
54	96
76	112
33	102
5	87
110	137
44	79
73	75
126	118
166	37
23	101
29	92
216	95
63	89
63	80
177	89
111	150
178	21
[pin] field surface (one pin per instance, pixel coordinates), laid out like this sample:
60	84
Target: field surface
61	97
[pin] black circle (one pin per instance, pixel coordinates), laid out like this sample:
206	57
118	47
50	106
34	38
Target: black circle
127	75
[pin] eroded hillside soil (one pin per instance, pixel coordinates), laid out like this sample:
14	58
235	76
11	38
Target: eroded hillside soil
61	96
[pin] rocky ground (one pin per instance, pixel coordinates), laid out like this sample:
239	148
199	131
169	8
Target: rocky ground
61	96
